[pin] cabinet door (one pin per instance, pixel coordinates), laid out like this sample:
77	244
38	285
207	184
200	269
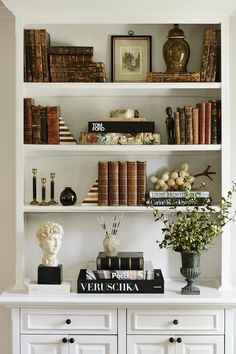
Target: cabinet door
92	344
150	344
200	345
41	344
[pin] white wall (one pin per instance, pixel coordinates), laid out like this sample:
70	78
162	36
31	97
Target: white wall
7	172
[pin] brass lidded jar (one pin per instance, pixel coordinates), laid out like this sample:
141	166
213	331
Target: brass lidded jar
176	51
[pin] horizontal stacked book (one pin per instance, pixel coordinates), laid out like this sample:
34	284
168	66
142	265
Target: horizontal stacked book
200	124
122	183
126	273
178	198
173	77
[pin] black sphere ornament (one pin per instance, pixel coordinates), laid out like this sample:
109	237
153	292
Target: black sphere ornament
68	196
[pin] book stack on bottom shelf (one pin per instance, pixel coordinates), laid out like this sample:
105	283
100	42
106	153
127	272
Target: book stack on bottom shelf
126	273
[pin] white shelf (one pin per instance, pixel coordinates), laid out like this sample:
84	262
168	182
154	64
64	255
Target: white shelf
35	150
65	89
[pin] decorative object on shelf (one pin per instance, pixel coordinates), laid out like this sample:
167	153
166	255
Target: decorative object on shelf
43	201
34	201
119	138
131	58
49	236
176	51
92	196
170	126
111	242
124	113
52	189
65	135
178	179
193	230
68	196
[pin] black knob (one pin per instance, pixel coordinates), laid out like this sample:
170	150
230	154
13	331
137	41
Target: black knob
71	340
175	322
171	340
179	340
68	321
64	340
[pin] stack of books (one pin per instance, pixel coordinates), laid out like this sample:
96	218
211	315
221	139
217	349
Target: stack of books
173	77
75	64
122	183
177	198
200	124
126	273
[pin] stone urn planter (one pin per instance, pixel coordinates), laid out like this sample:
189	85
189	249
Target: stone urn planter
190	270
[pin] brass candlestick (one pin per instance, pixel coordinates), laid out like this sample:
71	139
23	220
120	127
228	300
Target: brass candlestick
43	202
34	201
52	190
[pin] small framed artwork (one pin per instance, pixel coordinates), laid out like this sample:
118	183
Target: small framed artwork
130	58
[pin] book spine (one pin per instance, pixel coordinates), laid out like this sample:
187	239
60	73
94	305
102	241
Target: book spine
178	201
36	125
182	126
103	183
205	54
121	127
211	57
177	128
202	123
132	183
119	138
119	274
219	121
113	183
195	126
208	123
178	194
188	125
37	62
29	53
71	50
173	77
53	113
28	102
141	182
214	121
44	125
118	263
45	48
70	59
123	182
216	64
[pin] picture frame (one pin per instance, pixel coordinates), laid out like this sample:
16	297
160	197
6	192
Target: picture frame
131	58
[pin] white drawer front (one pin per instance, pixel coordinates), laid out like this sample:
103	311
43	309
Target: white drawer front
154	321
81	321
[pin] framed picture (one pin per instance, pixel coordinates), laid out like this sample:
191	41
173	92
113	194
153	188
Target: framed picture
130	58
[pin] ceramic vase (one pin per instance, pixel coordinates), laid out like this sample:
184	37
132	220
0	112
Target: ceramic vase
68	196
111	245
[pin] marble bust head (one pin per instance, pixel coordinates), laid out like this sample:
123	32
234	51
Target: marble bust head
50	236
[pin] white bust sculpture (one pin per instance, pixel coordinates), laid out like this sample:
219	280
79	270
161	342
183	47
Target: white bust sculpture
50	236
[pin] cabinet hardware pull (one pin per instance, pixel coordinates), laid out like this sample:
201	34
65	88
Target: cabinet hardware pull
71	340
171	340
68	321
64	340
175	322
179	340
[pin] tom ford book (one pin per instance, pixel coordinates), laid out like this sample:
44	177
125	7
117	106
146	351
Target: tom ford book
121	127
111	286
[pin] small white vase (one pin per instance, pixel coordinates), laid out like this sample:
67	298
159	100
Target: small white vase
111	245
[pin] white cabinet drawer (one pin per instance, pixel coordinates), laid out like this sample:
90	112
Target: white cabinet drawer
154	321
81	321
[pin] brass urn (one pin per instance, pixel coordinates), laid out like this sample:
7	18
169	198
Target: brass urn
176	51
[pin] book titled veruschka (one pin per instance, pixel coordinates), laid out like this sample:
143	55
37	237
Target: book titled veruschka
124	261
111	286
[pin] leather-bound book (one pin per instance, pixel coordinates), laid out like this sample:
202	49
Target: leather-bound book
212	58
214	122
44	125
53	114
208	123
102	183
177	128
37	62
36	125
45	48
201	107
188	125
209	35
113	183
123	182
132	182
195	126
141	182
219	121
28	102
182	126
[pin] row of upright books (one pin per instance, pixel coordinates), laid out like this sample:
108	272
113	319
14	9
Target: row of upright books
126	273
122	183
44	63
198	125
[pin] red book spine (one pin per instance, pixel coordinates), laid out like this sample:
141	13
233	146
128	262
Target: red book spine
123	182
202	123
103	183
141	182
208	123
53	113
177	128
28	102
113	183
132	182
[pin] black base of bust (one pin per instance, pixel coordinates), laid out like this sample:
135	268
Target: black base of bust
49	275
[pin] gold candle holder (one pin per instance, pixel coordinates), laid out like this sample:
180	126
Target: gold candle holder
52	189
43	202
34	201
